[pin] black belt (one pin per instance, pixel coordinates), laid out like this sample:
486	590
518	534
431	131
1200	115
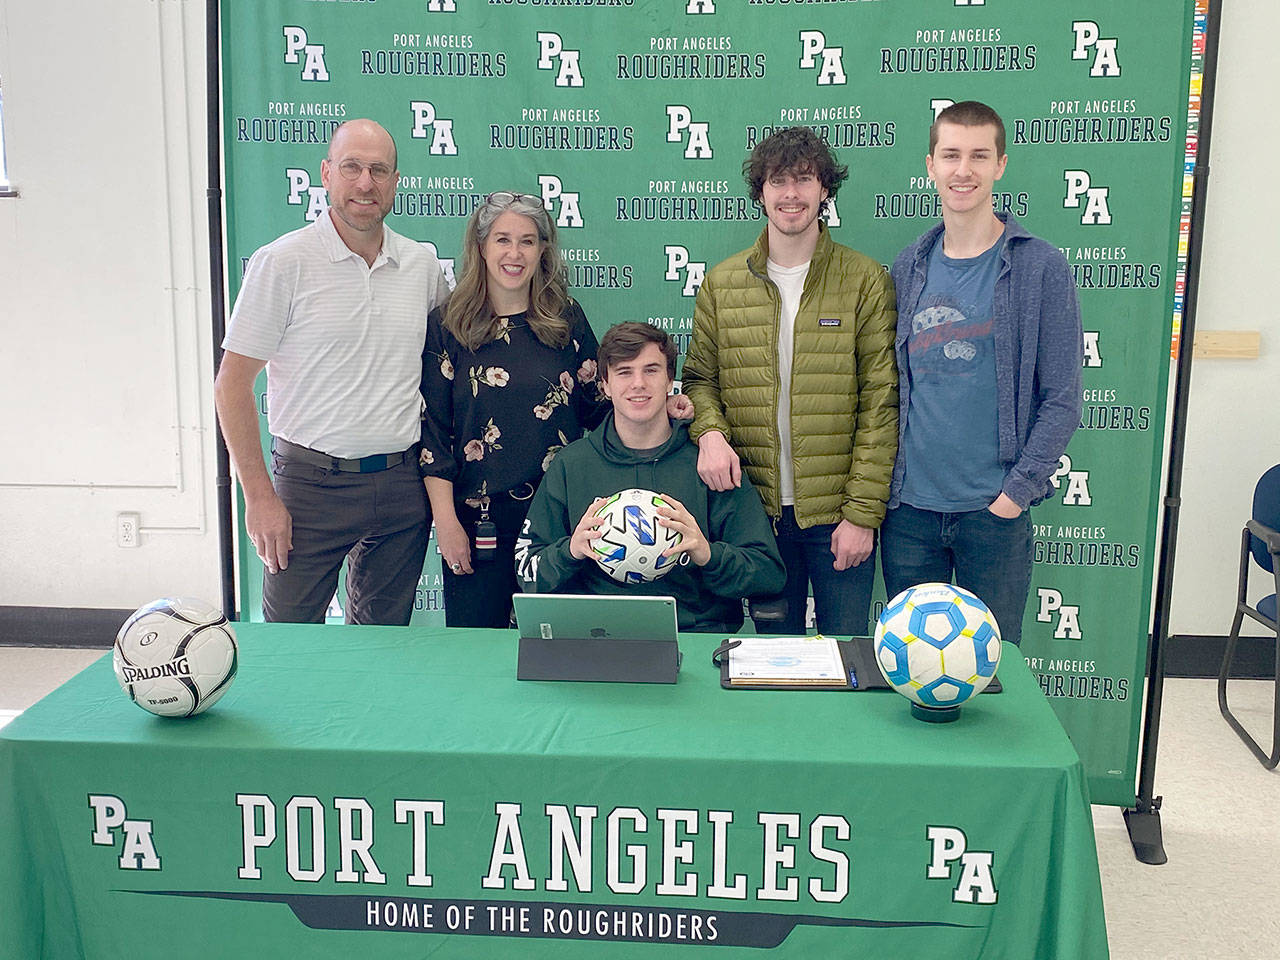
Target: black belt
371	464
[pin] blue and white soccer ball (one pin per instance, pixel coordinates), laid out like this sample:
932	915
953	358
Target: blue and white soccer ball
632	542
937	645
176	657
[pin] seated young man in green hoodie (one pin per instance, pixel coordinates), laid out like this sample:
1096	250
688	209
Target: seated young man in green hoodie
726	535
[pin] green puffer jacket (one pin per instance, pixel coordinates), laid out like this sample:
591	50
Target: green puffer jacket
844	380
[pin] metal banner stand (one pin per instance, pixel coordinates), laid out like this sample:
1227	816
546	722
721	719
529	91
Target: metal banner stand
1143	819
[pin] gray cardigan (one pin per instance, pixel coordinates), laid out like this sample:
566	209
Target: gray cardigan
1039	351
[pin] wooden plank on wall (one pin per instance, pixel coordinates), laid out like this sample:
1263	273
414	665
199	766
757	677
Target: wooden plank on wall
1231	344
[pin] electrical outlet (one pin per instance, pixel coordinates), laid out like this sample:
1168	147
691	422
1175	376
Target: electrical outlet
127	529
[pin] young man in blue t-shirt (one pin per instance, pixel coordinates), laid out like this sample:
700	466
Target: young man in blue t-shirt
989	351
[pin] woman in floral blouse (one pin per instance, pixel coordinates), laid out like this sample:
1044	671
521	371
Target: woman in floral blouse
509	377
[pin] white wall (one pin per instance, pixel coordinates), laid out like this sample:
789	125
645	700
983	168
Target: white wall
104	309
1233	424
104	305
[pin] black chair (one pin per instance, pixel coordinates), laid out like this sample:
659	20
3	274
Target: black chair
1261	539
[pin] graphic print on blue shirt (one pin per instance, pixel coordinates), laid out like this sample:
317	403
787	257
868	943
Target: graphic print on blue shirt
950	446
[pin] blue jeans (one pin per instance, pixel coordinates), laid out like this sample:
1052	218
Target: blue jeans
841	598
988	555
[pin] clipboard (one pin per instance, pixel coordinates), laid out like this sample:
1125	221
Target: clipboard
861	671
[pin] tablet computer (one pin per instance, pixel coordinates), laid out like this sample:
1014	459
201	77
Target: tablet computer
596	637
572	616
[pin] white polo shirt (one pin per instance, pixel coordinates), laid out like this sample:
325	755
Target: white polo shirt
342	340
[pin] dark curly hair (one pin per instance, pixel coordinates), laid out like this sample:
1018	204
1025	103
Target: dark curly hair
798	149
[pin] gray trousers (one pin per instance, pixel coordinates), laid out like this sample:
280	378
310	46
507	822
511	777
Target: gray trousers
378	521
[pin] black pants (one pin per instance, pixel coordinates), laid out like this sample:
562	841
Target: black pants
379	520
483	598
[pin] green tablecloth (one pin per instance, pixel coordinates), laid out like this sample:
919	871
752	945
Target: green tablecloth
347	767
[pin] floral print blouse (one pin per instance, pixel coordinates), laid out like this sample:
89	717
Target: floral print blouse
494	417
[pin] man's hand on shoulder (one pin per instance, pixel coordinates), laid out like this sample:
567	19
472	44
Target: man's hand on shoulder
850	544
692	540
587	531
718	465
679	407
270	529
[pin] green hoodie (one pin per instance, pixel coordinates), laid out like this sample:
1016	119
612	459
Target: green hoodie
744	557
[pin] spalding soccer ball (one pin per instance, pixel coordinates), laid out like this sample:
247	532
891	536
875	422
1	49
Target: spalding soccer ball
175	658
632	541
938	645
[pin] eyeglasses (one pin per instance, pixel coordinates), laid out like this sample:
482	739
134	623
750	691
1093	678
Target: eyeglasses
506	197
378	172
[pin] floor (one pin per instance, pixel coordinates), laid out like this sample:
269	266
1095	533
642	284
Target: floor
1213	900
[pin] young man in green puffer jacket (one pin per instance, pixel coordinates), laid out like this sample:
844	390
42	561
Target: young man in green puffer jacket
792	375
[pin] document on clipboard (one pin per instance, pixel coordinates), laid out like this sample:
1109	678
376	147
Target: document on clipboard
787	662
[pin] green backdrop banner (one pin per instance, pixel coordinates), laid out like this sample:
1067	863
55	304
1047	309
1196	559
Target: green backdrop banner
631	119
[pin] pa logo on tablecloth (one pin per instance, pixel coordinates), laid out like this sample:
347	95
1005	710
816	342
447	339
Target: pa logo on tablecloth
948	846
110	821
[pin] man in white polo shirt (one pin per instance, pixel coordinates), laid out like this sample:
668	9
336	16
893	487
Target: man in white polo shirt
337	313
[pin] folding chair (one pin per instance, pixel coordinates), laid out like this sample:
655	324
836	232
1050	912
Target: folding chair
1261	539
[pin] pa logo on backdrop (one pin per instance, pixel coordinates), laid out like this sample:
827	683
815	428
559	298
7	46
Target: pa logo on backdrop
681	268
446	264
813	44
441	6
1091	45
1065	617
1092	348
695	7
302	193
682	128
1072	484
1080	188
552	55
299	49
428	126
560	203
